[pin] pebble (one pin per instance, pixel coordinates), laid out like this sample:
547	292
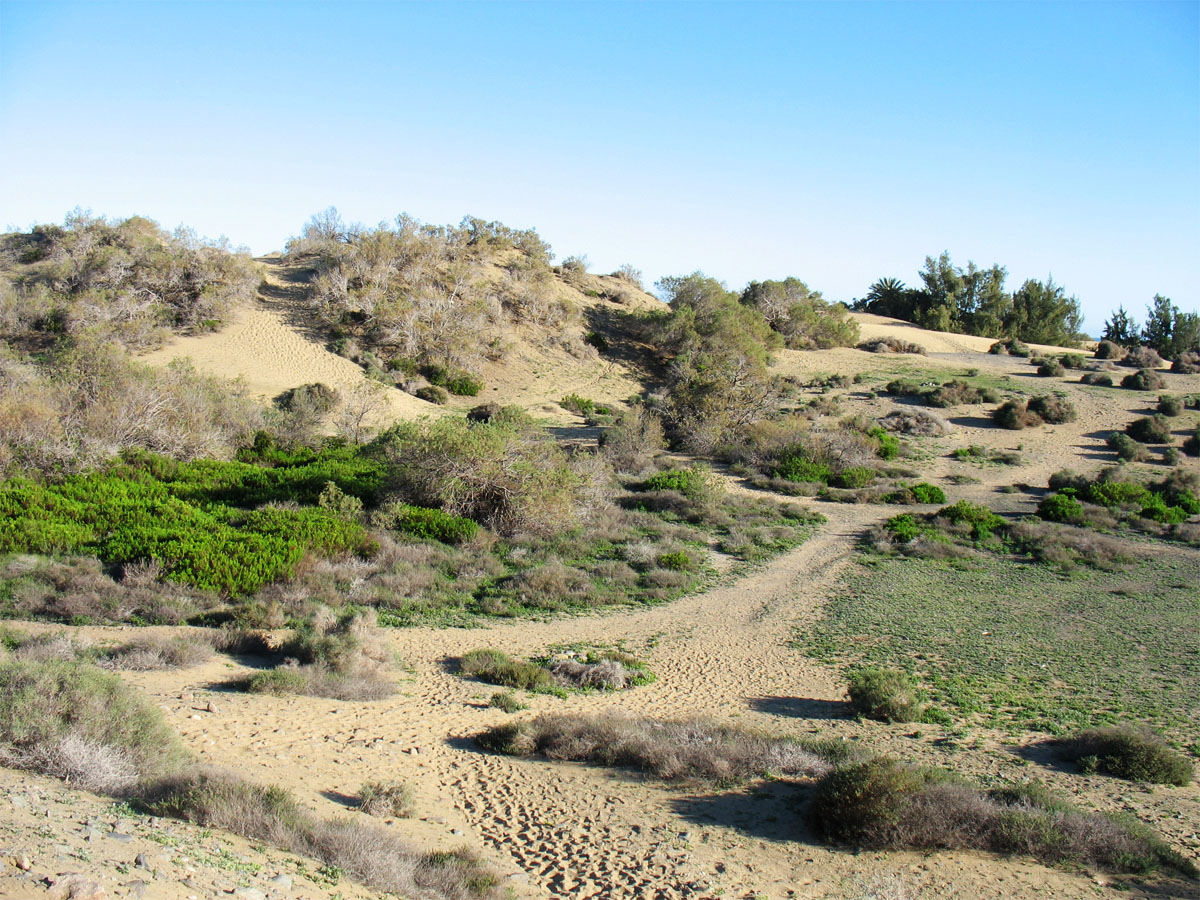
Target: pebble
24	863
141	862
282	881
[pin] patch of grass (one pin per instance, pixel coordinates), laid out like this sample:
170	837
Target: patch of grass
1125	751
507	701
497	667
1018	646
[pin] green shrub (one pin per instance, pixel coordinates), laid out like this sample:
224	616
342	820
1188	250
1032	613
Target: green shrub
1150	430
694	483
905	527
278	682
430	524
1051	369
1115	493
797	466
1011	347
1072	360
928	493
884	694
1136	754
1100	379
889	444
1061	507
676	561
981	519
1170	406
1109	350
853	477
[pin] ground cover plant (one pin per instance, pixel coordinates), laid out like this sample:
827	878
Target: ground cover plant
1015	645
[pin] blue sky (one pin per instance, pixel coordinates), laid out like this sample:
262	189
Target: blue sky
835	142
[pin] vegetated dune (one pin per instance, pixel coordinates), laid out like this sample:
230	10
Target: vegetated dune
266	345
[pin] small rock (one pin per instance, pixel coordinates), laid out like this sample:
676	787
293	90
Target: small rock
210	707
141	862
92	834
522	877
137	889
20	802
121	837
249	893
282	881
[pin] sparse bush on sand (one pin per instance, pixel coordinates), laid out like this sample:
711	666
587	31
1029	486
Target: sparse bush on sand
387	798
891	344
884	694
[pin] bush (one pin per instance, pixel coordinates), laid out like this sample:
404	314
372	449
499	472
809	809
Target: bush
633	442
1142	358
497	667
428	524
885	805
1052	409
688	750
316	398
956	393
387	798
1061	508
1123	751
1150	430
917	422
1126	448
884	694
1051	369
1098	379
74	722
1187	363
507	701
1170	406
797	466
1143	380
695	483
1014	415
928	493
854	477
432	394
1072	361
1010	347
1191	446
981	520
1109	350
891	345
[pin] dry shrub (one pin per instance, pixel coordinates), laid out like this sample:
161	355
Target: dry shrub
1099	379
156	653
1015	415
916	421
497	667
1187	363
387	798
367	853
1066	545
958	393
1142	358
1052	409
86	764
882	804
688	750
633	442
1109	350
891	345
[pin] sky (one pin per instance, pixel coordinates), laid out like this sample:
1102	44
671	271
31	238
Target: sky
835	142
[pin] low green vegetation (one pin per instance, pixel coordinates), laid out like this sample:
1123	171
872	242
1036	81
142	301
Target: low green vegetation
885	694
605	669
1015	645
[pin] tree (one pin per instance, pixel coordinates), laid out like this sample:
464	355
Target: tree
1169	331
1042	313
1121	328
804	319
887	297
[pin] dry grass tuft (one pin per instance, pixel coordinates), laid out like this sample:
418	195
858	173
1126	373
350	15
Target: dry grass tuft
387	798
891	345
916	421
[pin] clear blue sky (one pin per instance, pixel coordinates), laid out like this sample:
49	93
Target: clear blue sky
836	142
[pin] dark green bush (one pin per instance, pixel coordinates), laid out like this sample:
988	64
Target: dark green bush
1143	380
1011	347
884	694
981	519
1125	447
889	444
797	466
695	482
1123	751
905	527
1051	369
1099	379
1170	406
1150	430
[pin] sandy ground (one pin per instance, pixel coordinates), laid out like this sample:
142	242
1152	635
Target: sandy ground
559	830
